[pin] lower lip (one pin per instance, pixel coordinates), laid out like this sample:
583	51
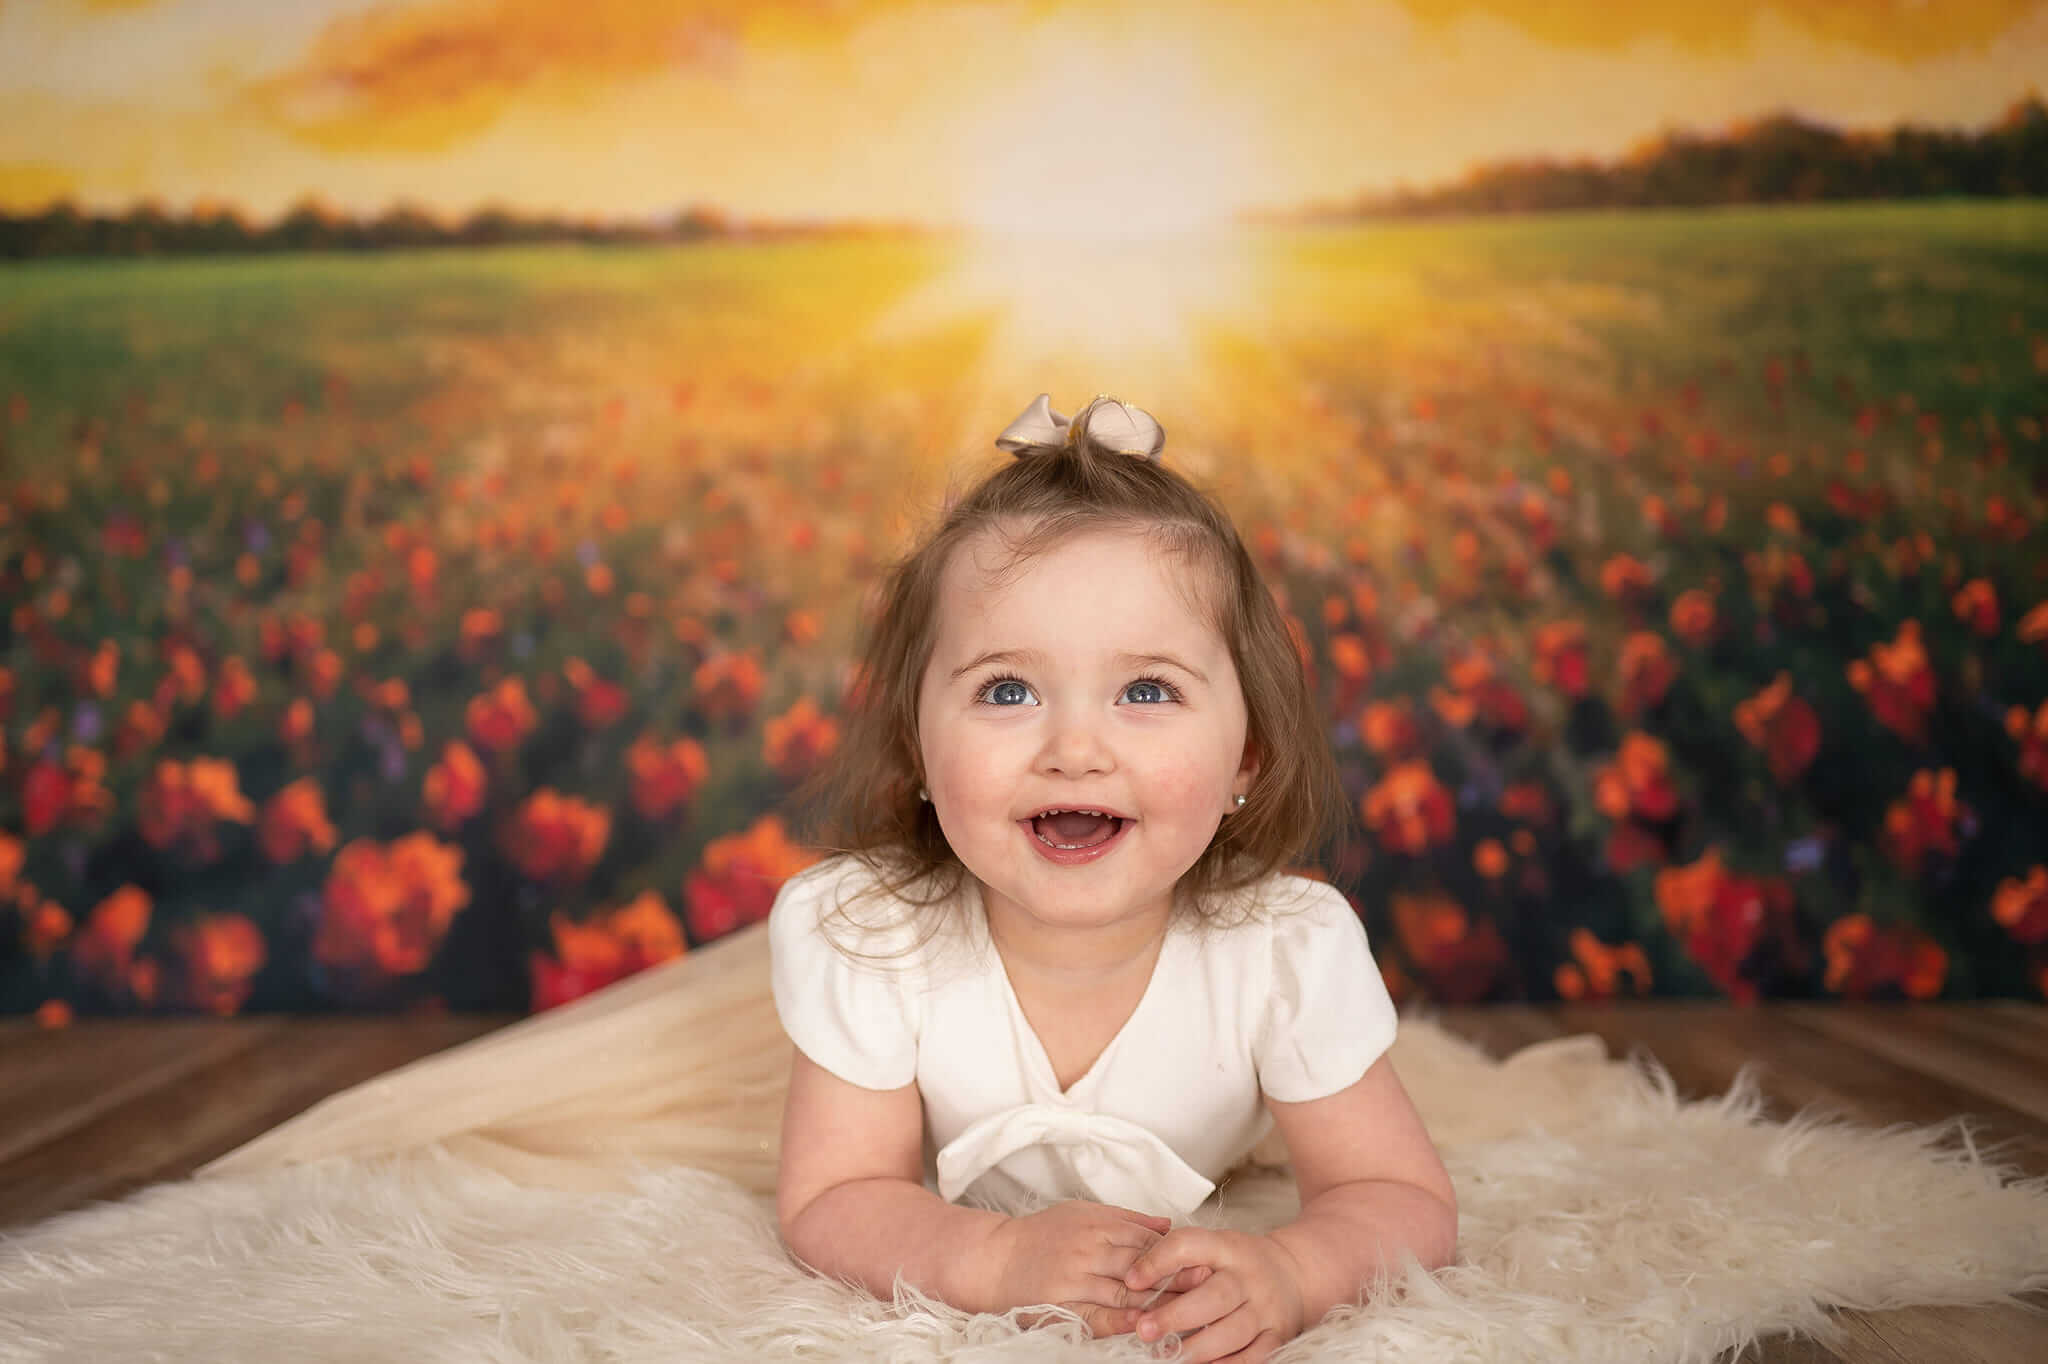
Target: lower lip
1070	857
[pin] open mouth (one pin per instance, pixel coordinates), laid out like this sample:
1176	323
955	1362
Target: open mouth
1074	835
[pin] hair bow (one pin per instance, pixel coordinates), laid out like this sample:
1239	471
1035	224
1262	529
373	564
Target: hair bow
1107	424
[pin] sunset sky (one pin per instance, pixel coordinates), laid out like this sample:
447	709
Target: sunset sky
1152	115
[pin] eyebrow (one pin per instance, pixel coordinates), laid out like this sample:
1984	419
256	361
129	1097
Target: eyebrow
1034	656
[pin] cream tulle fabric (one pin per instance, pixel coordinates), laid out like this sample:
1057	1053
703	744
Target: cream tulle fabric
685	1063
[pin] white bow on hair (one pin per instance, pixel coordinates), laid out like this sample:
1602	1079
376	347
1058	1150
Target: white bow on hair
1109	425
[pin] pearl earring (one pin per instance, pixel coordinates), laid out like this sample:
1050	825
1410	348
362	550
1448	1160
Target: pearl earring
1240	802
923	794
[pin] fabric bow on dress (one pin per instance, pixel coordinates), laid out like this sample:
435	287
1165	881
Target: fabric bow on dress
1111	1159
1109	425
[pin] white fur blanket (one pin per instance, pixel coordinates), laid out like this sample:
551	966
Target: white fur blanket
1601	1219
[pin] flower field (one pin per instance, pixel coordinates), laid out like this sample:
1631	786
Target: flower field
448	629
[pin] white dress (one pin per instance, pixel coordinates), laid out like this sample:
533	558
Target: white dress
1288	1006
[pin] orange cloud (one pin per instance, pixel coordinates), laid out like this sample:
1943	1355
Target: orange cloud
424	76
1908	30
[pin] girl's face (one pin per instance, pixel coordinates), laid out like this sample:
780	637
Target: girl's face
1086	682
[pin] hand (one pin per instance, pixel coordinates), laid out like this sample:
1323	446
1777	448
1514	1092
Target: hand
1247	1307
1075	1254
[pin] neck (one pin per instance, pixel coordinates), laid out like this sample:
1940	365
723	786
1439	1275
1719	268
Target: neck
1081	958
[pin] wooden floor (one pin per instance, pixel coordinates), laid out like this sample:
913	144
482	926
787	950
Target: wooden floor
104	1107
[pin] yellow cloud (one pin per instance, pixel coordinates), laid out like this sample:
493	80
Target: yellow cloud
1906	30
28	186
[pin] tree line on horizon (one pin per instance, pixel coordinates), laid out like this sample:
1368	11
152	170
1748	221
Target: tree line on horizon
1779	159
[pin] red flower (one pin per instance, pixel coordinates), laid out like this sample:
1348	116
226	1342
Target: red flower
221	953
294	821
1897	683
1389	729
739	876
1460	962
1561	656
1927	819
797	741
501	718
1409	810
1647	671
2021	905
1596	974
1784	726
386	907
553	837
1863	959
1976	605
1734	926
590	956
455	787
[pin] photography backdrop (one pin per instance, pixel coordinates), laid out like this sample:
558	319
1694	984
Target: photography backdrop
447	448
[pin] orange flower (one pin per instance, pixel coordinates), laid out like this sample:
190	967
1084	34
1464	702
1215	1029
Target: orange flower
1863	959
180	804
455	787
53	1013
1460	963
2022	905
798	740
1350	657
1927	819
1409	809
1784	726
1693	617
294	822
386	907
481	628
1561	656
553	837
1647	671
2031	734
233	689
1736	927
220	953
45	923
100	671
728	687
1637	784
1490	859
740	873
501	718
1897	683
1389	729
599	703
1976	605
142	728
1478	694
1596	974
104	949
297	725
664	777
1782	519
2033	626
1624	577
592	955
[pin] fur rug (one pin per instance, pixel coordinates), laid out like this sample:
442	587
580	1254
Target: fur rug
1601	1219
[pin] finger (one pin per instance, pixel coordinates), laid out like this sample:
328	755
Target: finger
1162	1225
1176	1250
1217	1298
1223	1338
1104	1321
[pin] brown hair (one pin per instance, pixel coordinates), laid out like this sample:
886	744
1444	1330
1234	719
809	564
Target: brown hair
863	800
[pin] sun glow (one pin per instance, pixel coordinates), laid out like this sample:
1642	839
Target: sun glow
1097	191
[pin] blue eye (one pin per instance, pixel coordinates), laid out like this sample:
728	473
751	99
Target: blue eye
994	691
997	684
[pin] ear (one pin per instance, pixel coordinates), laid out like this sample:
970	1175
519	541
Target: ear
1248	769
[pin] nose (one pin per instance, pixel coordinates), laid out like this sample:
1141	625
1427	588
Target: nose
1075	748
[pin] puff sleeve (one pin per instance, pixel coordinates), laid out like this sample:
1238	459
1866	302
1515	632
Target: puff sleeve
857	1019
1327	1015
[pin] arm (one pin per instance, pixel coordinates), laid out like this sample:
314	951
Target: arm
1372	1186
850	1193
852	1204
